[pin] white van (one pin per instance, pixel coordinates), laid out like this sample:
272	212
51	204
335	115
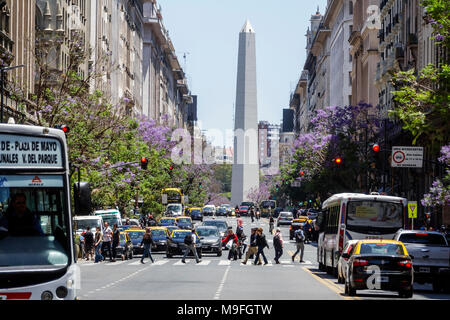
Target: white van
81	222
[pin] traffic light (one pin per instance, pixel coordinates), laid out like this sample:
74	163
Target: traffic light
338	160
302	173
144	163
63	127
277	187
171	170
376	147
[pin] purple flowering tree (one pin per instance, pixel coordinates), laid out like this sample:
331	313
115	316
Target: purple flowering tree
439	194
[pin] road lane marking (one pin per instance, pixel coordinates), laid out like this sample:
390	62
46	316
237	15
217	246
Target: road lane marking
222	283
179	263
329	284
115	263
224	262
160	262
204	262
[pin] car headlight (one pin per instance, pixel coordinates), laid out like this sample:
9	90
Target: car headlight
173	244
162	242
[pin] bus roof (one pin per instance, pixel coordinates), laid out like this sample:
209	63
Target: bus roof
32	130
106	211
360	196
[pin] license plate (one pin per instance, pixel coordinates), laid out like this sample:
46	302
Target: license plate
424	270
382	279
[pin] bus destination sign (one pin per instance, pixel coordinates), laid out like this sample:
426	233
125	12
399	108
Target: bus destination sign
28	151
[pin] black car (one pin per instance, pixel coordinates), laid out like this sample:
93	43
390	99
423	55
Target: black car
210	239
379	265
221	211
184	223
196	214
176	245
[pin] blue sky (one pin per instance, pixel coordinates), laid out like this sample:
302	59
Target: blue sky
208	32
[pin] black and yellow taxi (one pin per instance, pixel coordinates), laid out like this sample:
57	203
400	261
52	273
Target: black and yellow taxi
176	245
159	235
136	235
167	221
184	222
125	247
296	224
379	265
196	213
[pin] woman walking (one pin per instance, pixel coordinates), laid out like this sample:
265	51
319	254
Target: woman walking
98	245
278	245
147	242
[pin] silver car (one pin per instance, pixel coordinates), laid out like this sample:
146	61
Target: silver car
284	218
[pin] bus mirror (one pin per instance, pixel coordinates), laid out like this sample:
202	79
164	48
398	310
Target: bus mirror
82	198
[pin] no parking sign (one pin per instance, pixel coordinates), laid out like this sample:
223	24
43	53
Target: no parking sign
407	157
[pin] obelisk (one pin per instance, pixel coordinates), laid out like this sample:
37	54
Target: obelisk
245	174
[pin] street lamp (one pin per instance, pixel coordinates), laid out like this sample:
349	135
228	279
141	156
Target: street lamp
2	79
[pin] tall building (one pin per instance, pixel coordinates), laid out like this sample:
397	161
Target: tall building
245	174
165	89
17	40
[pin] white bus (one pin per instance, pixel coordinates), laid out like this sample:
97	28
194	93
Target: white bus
353	216
112	216
37	259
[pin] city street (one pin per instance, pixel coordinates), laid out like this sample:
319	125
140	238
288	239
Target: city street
217	278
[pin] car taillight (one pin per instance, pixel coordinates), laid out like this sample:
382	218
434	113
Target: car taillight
360	262
290	228
405	263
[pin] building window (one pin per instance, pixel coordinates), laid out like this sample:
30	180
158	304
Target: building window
350	7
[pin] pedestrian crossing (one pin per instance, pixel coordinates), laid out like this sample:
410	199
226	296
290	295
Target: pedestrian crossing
177	262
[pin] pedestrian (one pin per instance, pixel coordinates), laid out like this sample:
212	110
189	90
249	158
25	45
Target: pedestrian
261	242
115	242
253	248
299	237
98	245
252	214
271	224
239	221
88	243
307	230
241	239
278	245
147	242
235	243
83	249
190	241
258	214
106	245
236	210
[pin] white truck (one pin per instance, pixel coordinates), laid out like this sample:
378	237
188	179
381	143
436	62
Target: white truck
430	254
81	222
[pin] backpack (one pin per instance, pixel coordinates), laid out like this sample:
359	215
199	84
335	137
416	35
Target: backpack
299	237
188	239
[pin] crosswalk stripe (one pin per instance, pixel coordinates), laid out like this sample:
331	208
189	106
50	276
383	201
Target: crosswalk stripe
179	263
160	262
136	263
204	263
224	262
114	263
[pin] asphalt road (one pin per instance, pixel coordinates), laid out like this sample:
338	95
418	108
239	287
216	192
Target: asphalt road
217	278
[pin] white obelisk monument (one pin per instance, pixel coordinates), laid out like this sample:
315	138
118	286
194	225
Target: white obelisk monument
245	175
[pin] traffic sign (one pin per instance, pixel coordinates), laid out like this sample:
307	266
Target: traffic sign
407	157
412	209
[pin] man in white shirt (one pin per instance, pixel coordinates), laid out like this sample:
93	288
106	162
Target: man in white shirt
106	245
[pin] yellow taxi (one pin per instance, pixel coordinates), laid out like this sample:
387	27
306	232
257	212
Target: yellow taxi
176	246
196	213
167	221
296	224
184	222
136	234
159	235
379	264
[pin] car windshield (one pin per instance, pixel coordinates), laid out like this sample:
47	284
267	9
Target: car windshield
179	235
382	249
268	204
370	216
158	233
221	225
244	208
196	211
286	215
173	207
112	219
81	225
136	235
207	232
184	220
34	225
423	238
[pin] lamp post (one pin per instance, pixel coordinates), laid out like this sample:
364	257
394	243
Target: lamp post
2	78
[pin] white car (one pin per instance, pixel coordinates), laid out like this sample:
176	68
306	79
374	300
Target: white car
342	265
209	210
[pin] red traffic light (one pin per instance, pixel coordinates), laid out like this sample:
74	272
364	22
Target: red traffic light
144	163
302	173
338	160
376	147
171	168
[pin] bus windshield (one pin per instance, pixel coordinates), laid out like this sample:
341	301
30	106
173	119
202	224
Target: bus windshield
33	222
374	216
268	204
80	225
